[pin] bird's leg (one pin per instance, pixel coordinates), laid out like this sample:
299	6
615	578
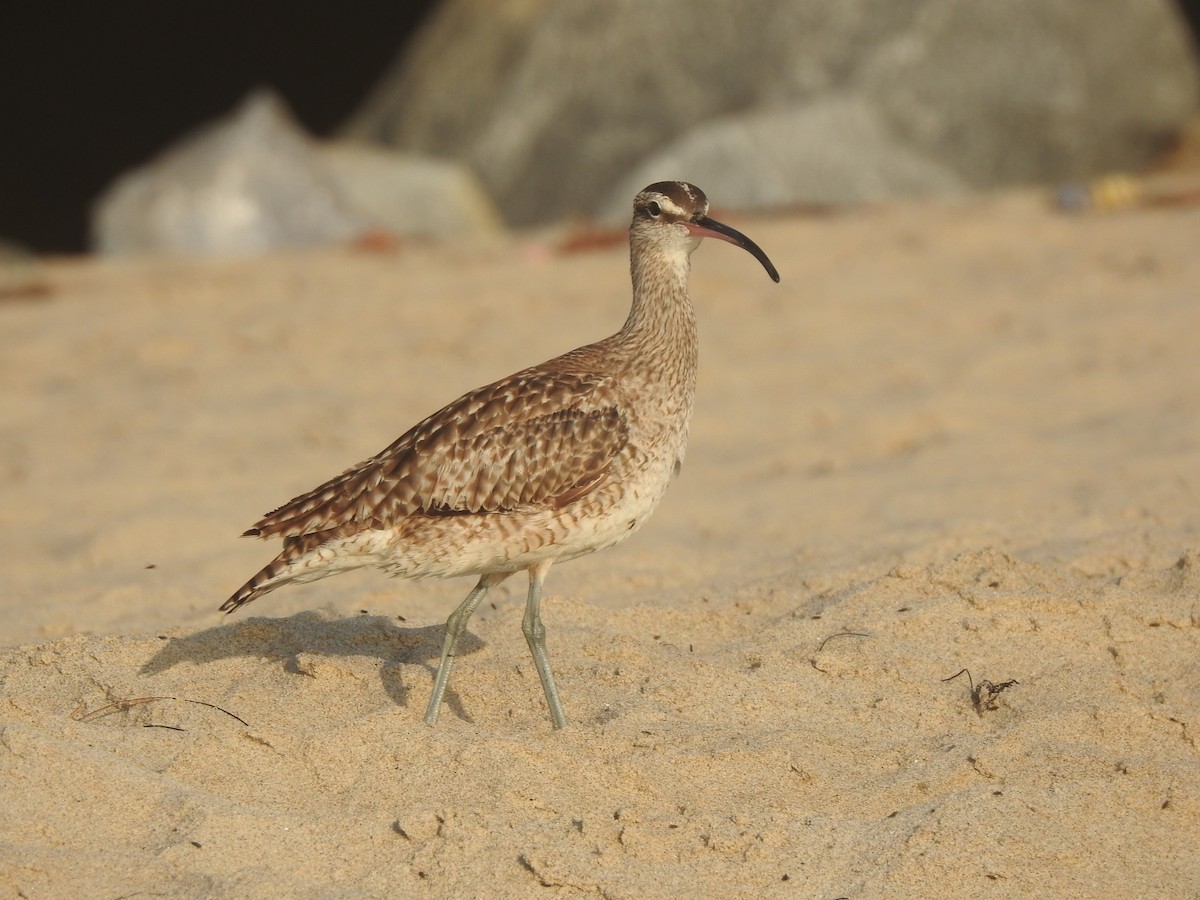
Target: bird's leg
455	626
535	635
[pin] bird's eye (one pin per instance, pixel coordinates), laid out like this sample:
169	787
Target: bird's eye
654	209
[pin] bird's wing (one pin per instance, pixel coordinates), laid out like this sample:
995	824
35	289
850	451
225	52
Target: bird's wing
537	438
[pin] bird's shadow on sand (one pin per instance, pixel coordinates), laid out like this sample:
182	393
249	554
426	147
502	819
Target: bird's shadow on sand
283	640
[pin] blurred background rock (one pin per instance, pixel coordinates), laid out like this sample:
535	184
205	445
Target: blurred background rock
462	115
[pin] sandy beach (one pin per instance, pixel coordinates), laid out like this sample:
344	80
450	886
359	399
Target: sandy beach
957	435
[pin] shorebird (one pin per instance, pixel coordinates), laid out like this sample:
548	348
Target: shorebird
554	462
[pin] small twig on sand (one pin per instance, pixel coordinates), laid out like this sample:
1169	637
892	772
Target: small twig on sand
984	695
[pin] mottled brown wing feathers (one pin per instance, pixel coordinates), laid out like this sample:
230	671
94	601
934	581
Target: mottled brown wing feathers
538	438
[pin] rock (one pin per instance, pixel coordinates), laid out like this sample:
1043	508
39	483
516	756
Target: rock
835	151
1038	90
553	104
410	195
246	184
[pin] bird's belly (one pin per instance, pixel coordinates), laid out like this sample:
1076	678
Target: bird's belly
474	544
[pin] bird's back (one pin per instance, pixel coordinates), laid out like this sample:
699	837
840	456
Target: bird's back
529	452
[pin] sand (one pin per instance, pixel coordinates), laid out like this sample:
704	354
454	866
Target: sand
959	435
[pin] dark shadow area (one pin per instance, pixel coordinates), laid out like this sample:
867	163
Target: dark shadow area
91	89
281	641
1191	12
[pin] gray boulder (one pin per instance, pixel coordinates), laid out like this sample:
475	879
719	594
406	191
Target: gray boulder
555	102
247	184
410	195
834	152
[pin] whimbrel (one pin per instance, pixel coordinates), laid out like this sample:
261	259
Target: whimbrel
556	461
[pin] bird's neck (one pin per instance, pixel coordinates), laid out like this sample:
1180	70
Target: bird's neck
662	315
659	337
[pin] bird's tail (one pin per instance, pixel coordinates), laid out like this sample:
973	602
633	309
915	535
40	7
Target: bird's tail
263	582
296	562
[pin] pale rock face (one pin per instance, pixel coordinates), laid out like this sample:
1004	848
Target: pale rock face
241	186
555	104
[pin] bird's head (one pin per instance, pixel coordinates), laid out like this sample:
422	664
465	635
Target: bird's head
673	215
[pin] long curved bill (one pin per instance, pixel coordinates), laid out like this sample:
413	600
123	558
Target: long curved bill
703	226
